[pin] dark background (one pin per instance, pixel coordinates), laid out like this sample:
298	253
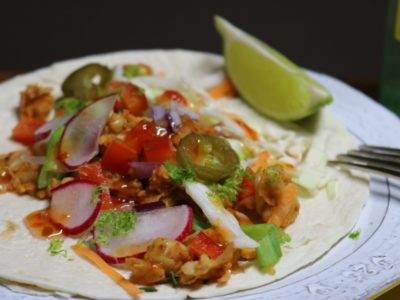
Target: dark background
342	38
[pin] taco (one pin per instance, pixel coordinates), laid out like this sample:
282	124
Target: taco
156	167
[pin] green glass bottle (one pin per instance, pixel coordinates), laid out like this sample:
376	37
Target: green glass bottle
390	79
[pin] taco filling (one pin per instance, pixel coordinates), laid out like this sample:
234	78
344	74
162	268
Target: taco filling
152	176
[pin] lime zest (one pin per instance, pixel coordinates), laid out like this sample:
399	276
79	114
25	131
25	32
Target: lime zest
114	223
228	190
179	175
96	193
56	247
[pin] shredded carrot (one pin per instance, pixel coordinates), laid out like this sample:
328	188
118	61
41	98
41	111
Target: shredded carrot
250	132
162	74
225	88
260	161
93	257
285	212
289	193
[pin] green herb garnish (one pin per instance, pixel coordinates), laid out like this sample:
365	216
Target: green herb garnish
112	223
70	105
270	238
104	93
272	176
179	175
148	289
200	222
355	234
50	168
228	190
173	278
97	191
56	247
131	71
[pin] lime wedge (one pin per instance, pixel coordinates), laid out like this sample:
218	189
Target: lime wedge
266	79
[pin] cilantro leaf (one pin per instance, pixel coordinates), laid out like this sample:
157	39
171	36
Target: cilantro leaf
56	247
148	289
112	223
228	190
173	278
355	234
70	105
179	175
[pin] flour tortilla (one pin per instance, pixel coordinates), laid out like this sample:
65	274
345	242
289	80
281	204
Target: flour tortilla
320	224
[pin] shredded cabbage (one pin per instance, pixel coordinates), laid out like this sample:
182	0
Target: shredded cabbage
238	147
218	215
331	187
316	157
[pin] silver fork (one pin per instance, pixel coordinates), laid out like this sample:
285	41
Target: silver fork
373	159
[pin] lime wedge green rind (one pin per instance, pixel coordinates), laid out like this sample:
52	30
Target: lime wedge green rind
266	79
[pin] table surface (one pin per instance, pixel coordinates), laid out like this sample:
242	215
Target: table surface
368	85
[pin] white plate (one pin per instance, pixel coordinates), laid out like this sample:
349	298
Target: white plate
352	269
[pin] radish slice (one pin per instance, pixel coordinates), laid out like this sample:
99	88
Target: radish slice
72	207
219	216
172	223
80	141
44	131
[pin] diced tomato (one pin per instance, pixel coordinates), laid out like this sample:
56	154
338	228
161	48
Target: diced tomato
24	132
132	98
92	172
108	202
156	148
171	95
202	244
140	134
159	149
117	156
247	187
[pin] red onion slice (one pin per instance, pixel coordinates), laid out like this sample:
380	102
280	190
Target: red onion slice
158	116
143	169
44	131
149	206
80	141
173	118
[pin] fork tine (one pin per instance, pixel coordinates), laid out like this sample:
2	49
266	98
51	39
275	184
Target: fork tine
381	150
369	168
372	157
